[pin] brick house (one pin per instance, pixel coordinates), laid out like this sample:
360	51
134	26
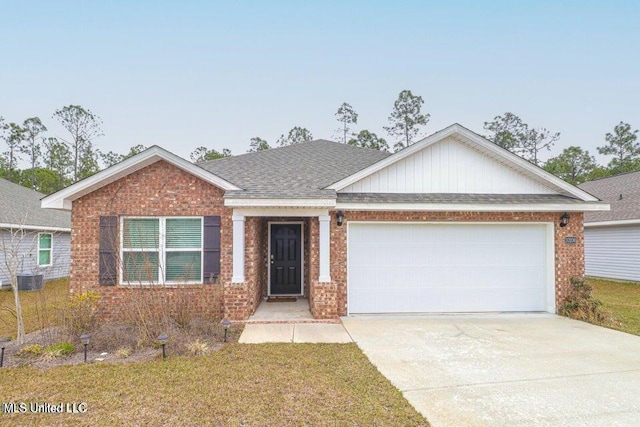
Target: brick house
452	223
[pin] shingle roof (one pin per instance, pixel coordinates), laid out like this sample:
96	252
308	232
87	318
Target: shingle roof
622	192
21	206
296	171
461	198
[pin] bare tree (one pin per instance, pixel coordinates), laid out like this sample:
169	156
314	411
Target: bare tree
347	116
83	127
33	128
12	244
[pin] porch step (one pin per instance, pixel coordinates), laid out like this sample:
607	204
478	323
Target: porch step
289	321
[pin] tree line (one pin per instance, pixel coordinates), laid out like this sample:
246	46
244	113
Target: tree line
574	164
55	162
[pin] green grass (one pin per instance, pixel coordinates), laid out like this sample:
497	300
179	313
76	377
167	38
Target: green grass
38	307
248	385
622	299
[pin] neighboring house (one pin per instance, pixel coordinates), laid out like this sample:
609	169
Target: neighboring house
37	239
453	223
612	238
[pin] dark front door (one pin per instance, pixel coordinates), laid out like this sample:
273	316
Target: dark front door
286	259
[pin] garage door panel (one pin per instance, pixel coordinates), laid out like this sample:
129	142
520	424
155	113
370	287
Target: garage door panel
394	267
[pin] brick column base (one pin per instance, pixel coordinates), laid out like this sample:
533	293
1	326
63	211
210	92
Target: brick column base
324	300
238	301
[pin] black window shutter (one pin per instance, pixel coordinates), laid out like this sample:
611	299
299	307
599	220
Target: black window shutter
107	251
211	249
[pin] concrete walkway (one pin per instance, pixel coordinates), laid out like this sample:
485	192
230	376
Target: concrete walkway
258	333
506	370
295	311
290	321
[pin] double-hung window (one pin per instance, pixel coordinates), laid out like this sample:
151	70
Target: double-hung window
45	249
161	250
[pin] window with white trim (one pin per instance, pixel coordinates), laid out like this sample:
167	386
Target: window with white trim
161	250
45	249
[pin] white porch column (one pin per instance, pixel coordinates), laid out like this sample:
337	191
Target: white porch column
238	249
325	251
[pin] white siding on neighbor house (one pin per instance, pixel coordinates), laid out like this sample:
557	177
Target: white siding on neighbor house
613	252
28	249
448	166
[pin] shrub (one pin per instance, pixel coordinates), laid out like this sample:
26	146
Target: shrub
197	347
31	350
111	336
79	312
124	352
581	305
147	311
60	349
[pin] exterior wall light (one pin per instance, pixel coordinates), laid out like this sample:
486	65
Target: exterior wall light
225	324
564	220
162	339
86	339
3	342
340	218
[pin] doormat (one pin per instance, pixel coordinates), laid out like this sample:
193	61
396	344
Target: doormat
282	299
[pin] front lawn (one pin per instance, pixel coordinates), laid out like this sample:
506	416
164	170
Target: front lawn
38	307
239	385
622	299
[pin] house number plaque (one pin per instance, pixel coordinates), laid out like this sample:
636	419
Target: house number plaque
571	240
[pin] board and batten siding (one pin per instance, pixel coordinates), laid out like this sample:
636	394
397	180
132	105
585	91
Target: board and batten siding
448	166
28	249
613	252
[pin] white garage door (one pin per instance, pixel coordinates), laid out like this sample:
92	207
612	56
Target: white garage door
419	268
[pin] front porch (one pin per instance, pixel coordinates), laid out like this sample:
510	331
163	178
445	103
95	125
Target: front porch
280	253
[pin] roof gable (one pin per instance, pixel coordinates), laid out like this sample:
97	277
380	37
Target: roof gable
63	198
20	207
622	192
456	160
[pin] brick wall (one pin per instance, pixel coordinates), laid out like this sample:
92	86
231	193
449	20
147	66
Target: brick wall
156	190
164	190
330	299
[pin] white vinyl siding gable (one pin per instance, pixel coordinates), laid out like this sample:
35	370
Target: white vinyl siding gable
161	250
449	166
613	252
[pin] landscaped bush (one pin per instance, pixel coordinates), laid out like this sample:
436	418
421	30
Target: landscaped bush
60	349
32	350
581	305
197	347
79	313
124	352
112	336
146	310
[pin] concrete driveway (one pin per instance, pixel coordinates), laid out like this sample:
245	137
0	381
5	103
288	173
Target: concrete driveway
530	369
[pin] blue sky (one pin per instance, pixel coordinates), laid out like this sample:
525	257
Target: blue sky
185	74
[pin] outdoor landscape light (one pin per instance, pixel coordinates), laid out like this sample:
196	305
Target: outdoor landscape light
3	342
564	220
340	218
85	338
162	339
225	324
